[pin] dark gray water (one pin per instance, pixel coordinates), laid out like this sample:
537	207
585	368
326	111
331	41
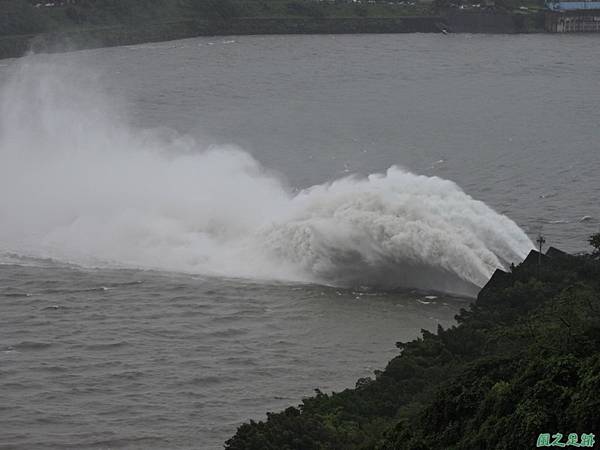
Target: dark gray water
130	359
116	357
514	118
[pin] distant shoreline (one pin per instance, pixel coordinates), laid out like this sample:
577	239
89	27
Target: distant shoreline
15	46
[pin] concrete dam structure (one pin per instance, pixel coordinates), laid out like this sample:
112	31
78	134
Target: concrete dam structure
582	21
572	17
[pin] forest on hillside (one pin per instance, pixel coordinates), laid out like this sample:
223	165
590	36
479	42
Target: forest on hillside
41	16
520	369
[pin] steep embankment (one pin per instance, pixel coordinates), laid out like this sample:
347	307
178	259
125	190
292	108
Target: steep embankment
523	360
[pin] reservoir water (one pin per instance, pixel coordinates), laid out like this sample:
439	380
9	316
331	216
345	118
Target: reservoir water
193	233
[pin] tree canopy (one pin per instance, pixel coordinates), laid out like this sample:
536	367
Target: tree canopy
523	361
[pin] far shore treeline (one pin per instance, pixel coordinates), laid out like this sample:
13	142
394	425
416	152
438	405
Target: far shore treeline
59	25
18	17
520	370
33	16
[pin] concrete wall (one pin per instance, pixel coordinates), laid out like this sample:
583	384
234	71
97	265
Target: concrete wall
493	22
426	24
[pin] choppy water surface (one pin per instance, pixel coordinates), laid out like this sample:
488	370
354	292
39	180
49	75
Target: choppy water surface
130	359
158	286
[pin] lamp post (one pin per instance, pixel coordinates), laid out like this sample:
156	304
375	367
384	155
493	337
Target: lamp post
541	241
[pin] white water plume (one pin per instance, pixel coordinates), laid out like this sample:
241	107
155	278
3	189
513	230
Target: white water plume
77	183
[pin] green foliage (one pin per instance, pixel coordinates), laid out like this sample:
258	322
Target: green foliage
595	242
23	17
222	9
18	17
306	9
361	11
524	359
492	5
33	17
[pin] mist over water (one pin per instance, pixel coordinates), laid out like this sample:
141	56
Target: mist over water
77	183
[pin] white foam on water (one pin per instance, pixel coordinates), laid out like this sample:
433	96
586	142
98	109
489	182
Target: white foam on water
79	184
